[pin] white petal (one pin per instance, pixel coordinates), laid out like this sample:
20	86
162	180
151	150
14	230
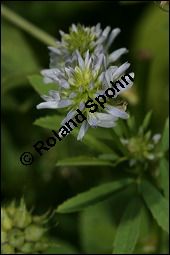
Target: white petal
80	60
70	115
83	130
156	138
74	28
54	94
64	84
116	112
64	103
105	116
72	95
117	54
91	85
99	48
61	32
46	98
47	80
100	40
120	71
51	105
55	50
99	93
81	106
106	31
106	124
87	58
112	36
92	120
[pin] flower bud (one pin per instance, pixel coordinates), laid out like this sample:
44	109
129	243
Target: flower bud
6	221
34	232
21	217
16	237
27	248
7	249
3	237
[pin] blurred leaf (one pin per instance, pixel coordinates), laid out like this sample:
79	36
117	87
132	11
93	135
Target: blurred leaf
17	58
109	157
128	229
83	161
146	121
53	122
92	196
151	35
39	86
101	133
132	124
164	173
165	136
62	247
157	204
96	229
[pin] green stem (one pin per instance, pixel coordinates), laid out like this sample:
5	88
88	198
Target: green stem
27	26
117	141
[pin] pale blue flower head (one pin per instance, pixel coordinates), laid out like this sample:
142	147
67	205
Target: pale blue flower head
92	39
83	79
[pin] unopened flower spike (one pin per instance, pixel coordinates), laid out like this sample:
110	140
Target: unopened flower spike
92	39
21	231
142	147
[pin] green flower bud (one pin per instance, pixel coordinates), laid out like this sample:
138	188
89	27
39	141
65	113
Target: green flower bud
34	232
11	209
6	221
21	217
3	237
16	237
43	244
7	249
27	247
21	232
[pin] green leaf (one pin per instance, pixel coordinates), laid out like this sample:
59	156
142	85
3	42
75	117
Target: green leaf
101	133
164	174
83	161
59	246
132	124
96	229
109	157
53	122
40	87
157	204
165	136
92	196
128	230
18	60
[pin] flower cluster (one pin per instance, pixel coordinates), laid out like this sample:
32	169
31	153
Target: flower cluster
21	232
143	147
81	67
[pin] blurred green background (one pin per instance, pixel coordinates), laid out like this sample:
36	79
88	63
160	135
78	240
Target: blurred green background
144	32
